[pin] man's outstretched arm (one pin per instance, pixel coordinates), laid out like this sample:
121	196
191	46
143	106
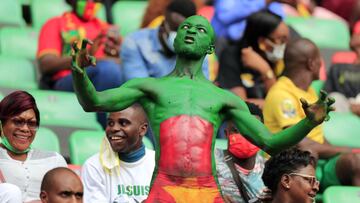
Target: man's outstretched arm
109	100
256	131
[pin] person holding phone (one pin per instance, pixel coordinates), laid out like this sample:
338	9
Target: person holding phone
54	49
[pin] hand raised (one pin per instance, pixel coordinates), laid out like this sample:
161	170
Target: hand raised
80	57
319	111
253	60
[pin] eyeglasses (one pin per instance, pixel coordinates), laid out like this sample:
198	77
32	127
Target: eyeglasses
311	179
31	124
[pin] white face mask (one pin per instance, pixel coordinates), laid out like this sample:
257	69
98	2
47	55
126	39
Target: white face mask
170	40
277	53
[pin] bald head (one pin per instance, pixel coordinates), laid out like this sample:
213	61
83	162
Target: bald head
60	185
298	53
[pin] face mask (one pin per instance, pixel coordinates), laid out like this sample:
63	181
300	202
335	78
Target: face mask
87	9
277	53
240	147
170	40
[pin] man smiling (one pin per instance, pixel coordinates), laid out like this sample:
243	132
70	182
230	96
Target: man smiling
122	171
186	111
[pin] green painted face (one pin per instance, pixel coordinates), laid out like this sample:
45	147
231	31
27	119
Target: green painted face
195	38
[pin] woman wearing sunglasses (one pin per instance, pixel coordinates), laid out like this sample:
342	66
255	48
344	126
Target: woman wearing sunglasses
19	163
290	175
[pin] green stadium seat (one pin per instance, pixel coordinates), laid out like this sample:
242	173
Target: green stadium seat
19	42
101	14
326	33
221	143
63	109
46	139
128	15
17	73
43	10
147	142
83	144
317	85
1	96
343	129
11	13
342	194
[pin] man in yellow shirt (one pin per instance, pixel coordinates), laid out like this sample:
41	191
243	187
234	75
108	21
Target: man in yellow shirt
283	109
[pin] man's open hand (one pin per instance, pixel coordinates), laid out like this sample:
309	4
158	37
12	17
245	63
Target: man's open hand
81	58
319	111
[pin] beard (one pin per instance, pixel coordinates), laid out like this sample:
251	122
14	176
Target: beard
190	53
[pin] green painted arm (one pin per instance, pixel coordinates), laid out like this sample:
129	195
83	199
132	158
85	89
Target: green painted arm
254	130
91	100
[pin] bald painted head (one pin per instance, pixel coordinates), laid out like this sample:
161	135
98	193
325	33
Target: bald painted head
302	55
61	185
195	38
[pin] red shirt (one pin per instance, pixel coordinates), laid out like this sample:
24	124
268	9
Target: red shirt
57	35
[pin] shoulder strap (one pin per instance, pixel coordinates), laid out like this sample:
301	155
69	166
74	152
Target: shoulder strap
229	161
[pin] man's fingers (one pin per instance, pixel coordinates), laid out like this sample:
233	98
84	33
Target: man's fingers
304	103
330	101
331	109
323	95
75	47
84	43
327	118
92	60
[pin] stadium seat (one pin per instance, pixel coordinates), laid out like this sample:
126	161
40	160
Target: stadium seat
343	129
128	15
11	13
101	14
221	143
342	194
326	33
1	96
343	57
43	10
17	73
317	85
147	142
83	144
46	139
19	42
63	109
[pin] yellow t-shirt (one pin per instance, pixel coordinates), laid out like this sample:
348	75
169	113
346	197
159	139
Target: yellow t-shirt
283	108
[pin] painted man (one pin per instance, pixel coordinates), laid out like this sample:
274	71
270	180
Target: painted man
185	111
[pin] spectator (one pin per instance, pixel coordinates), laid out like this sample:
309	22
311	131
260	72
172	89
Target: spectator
185	111
61	185
122	171
154	13
290	175
283	109
343	81
20	164
59	33
230	16
54	48
347	9
150	52
240	168
309	8
248	67
10	193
